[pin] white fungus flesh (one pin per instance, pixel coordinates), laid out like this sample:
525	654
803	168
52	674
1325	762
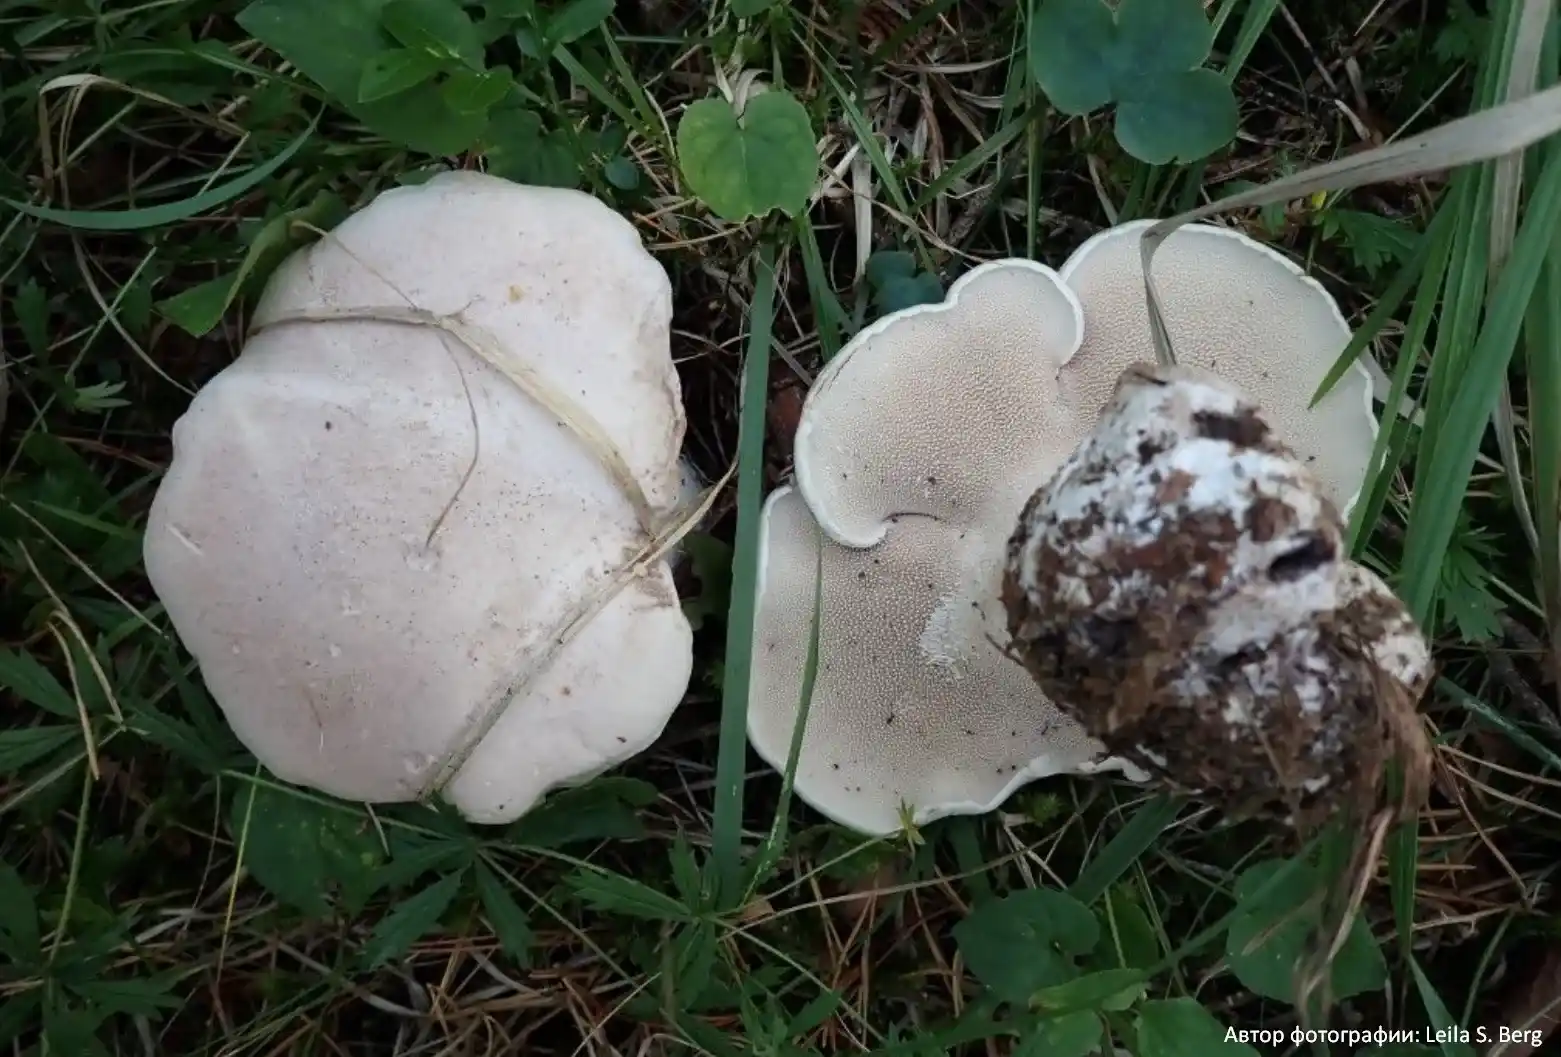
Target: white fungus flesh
368	534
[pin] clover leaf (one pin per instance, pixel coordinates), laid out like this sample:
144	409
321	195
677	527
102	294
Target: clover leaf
1147	58
746	164
897	284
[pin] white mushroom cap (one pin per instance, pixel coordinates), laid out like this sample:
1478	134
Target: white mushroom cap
287	540
1244	311
917	447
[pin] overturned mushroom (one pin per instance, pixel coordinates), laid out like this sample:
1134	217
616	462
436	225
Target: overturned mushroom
916	450
422	501
917	446
1181	587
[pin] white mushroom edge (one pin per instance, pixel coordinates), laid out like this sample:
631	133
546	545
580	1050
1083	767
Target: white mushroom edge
290	543
917	447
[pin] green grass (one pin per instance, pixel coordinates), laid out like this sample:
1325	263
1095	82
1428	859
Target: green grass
161	894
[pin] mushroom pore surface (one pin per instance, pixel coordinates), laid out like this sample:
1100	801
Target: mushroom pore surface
918	445
368	533
928	432
1181	587
1243	311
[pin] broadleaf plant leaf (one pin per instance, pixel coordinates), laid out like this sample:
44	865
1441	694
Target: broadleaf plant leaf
412	919
331	44
1026	941
508	920
1181	1027
1160	37
1147	58
1268	936
396	71
746	165
1182	116
301	850
474	92
577	18
1070	1035
1069	43
440	27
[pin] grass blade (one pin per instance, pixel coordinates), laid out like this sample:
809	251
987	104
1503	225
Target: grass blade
732	754
1123	850
1441	484
168	213
1477	137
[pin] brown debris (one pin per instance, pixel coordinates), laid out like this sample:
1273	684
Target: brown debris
1180	587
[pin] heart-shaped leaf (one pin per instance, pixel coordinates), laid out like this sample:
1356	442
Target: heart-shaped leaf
1183	115
744	165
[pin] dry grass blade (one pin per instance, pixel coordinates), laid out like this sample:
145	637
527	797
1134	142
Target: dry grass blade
573	622
662	531
1479	137
486	348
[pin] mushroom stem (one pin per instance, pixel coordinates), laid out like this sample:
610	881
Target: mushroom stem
1180	587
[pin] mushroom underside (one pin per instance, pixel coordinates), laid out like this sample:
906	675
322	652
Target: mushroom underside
915	712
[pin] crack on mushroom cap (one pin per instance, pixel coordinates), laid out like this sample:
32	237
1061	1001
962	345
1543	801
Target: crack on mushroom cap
289	539
947	415
1180	586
